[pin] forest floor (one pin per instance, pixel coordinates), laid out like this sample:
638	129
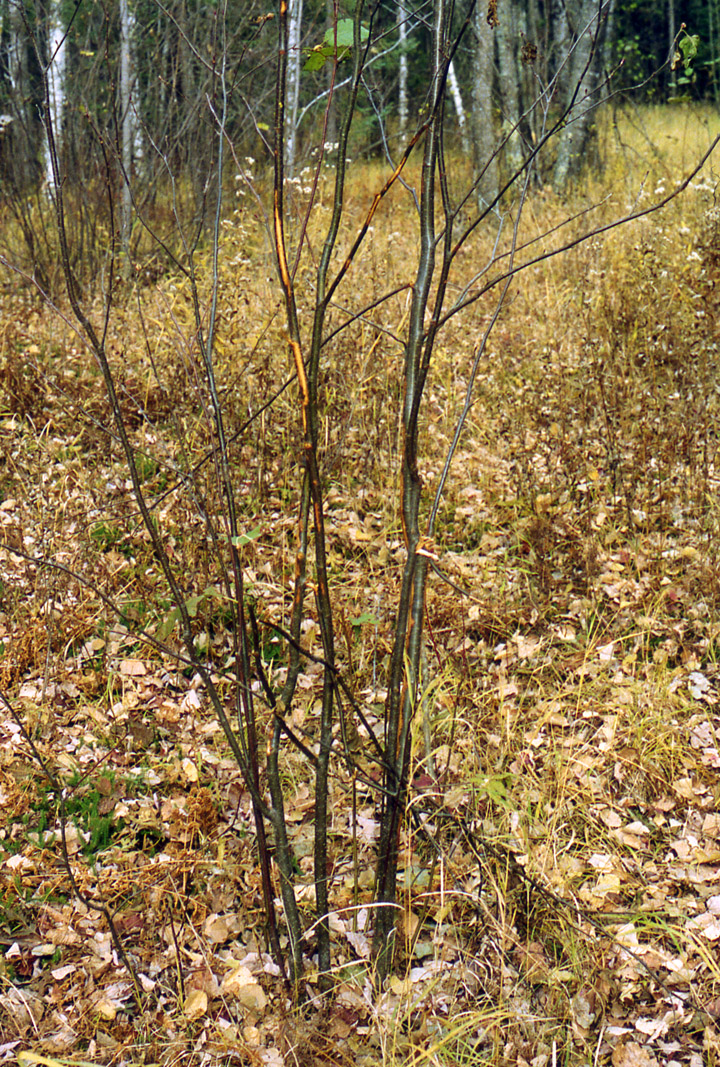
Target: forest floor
560	864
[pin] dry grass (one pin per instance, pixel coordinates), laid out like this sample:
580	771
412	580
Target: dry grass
565	841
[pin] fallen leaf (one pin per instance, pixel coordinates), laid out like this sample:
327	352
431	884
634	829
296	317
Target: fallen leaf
241	984
583	1008
632	1055
196	1004
105	1008
132	668
190	770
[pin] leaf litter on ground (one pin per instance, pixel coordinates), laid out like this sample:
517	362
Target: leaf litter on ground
560	865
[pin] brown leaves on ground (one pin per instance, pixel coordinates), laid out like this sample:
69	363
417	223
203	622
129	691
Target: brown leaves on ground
560	869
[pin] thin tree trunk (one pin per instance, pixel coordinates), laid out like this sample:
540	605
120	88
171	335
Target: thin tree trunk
483	133
402	69
404	667
55	74
295	11
454	87
507	35
126	130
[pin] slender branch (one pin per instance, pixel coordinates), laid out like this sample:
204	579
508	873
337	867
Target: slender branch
588	236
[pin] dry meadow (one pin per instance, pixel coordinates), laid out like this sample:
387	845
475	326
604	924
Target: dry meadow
560	863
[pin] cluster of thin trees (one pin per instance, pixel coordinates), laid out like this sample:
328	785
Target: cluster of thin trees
123	97
138	75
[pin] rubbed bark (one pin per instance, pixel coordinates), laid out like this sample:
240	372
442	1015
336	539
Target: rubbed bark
126	133
331	132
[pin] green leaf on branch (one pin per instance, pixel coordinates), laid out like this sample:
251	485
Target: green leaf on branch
336	44
345	34
686	51
689	48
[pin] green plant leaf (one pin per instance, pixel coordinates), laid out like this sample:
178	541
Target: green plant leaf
336	44
689	45
316	59
244	539
193	603
686	51
345	34
494	787
167	625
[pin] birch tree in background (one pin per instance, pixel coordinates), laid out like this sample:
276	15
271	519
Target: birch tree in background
454	87
126	127
402	68
507	33
559	47
483	133
9	71
588	30
8	46
295	12
55	74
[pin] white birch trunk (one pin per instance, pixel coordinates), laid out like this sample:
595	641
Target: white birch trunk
126	131
402	69
459	108
56	86
293	84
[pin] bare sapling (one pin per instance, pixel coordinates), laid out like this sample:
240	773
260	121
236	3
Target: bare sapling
208	451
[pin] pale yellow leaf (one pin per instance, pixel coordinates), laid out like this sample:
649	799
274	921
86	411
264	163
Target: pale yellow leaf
196	1004
133	668
190	770
400	986
241	984
216	929
105	1009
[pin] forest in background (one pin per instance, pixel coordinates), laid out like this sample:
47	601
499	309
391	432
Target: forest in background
360	602
132	80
